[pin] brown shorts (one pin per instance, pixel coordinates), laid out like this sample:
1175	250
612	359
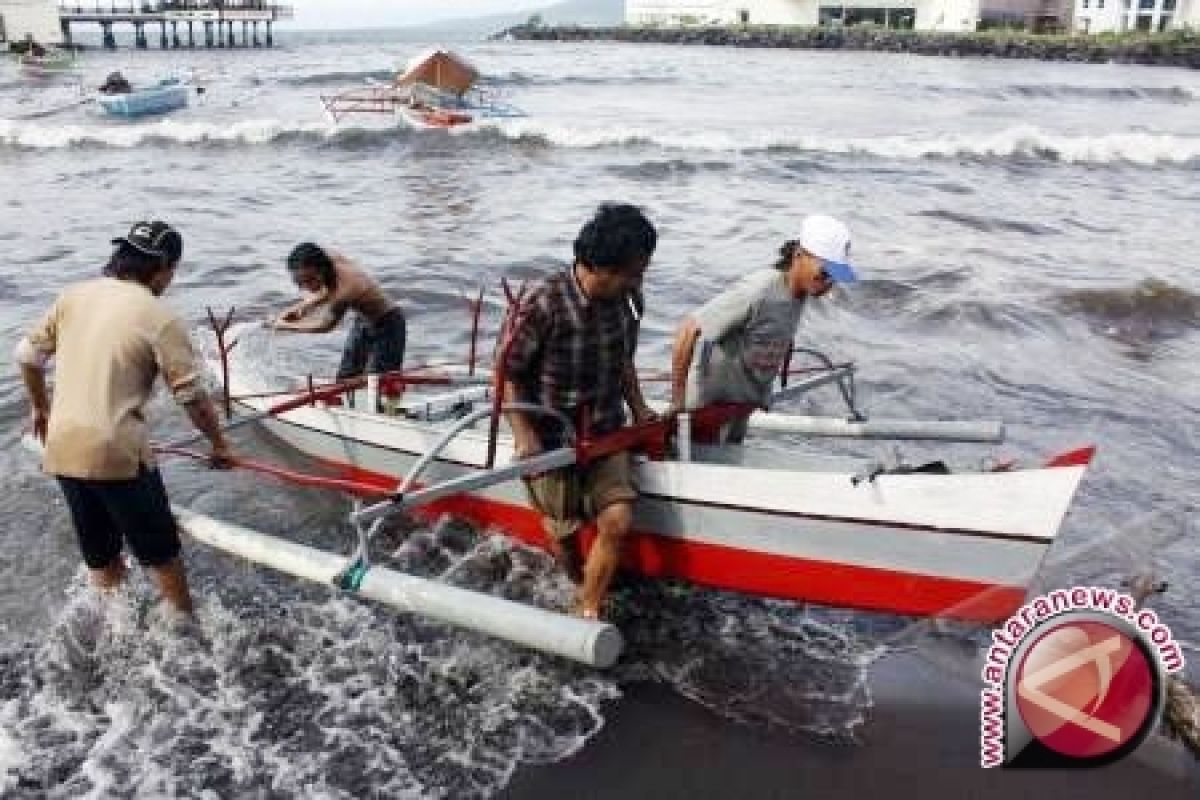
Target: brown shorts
571	496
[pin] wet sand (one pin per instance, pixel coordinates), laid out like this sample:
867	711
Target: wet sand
921	739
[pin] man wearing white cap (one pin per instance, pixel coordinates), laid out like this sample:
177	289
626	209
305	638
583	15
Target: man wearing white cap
746	331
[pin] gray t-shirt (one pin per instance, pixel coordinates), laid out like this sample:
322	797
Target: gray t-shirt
745	335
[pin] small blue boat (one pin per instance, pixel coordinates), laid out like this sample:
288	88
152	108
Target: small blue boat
165	96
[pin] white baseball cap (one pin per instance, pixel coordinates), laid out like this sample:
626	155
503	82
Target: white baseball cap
828	239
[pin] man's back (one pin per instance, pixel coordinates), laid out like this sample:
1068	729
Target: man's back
110	339
749	328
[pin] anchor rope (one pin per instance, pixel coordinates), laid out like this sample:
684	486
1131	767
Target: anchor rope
1181	714
1181	717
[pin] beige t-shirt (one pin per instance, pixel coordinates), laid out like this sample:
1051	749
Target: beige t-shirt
110	338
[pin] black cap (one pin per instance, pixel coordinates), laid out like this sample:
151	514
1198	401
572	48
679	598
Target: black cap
155	238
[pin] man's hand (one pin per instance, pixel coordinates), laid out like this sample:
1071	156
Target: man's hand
526	445
221	457
280	323
643	414
40	422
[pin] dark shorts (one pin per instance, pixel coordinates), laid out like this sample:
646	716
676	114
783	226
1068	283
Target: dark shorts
136	510
570	497
374	348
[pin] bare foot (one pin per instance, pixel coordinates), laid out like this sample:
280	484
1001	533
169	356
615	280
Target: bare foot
583	610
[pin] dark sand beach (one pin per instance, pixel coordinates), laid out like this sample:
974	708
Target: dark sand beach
921	740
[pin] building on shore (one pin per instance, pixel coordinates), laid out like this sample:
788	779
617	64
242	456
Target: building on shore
29	19
1092	16
1105	16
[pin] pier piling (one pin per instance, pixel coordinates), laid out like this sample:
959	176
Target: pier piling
219	20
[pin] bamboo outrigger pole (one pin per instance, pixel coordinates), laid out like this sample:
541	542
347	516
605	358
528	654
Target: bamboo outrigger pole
590	642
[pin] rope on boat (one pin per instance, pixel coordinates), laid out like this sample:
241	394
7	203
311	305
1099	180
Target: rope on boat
1181	717
1181	714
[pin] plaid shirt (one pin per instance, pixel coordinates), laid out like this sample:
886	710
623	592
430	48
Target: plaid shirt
570	353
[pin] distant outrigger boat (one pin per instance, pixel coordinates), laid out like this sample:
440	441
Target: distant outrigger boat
437	89
49	64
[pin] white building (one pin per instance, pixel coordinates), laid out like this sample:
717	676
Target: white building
925	15
1100	16
20	19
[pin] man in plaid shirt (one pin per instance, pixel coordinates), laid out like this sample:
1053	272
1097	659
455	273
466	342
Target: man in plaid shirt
570	348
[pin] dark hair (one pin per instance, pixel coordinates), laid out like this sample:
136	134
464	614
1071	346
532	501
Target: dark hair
171	244
311	255
615	239
129	263
786	253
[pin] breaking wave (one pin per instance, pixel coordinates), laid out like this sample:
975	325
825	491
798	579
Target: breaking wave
1024	143
1019	143
166	133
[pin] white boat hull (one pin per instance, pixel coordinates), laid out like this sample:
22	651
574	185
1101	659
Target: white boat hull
958	545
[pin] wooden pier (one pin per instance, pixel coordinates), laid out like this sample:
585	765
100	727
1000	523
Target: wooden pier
190	24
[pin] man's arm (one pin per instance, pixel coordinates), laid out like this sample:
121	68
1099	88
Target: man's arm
526	441
522	352
323	325
33	373
176	360
200	410
632	391
300	309
681	360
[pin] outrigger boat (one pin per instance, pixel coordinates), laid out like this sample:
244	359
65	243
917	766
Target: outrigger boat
763	518
48	65
436	89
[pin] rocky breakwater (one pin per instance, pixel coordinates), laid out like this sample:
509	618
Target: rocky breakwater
1176	49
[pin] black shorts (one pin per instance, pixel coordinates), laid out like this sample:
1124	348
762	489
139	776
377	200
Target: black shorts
374	348
136	510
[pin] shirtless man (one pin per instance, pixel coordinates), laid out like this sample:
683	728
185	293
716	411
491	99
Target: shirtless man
337	285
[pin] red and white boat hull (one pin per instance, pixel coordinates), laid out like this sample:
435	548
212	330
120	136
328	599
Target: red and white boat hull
958	545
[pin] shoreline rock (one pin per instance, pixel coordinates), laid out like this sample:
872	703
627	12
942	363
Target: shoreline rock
1173	49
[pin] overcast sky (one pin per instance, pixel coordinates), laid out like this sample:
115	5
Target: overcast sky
389	13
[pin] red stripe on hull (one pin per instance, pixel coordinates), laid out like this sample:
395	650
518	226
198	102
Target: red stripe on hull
1074	458
749	572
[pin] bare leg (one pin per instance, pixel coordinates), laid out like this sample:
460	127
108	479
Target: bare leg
612	525
565	550
108	578
172	583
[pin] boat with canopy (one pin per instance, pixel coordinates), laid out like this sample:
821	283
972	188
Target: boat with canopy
436	89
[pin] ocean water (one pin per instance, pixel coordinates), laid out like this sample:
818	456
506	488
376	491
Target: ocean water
1026	233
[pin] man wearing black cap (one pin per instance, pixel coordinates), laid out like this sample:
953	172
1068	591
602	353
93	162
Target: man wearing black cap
110	338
